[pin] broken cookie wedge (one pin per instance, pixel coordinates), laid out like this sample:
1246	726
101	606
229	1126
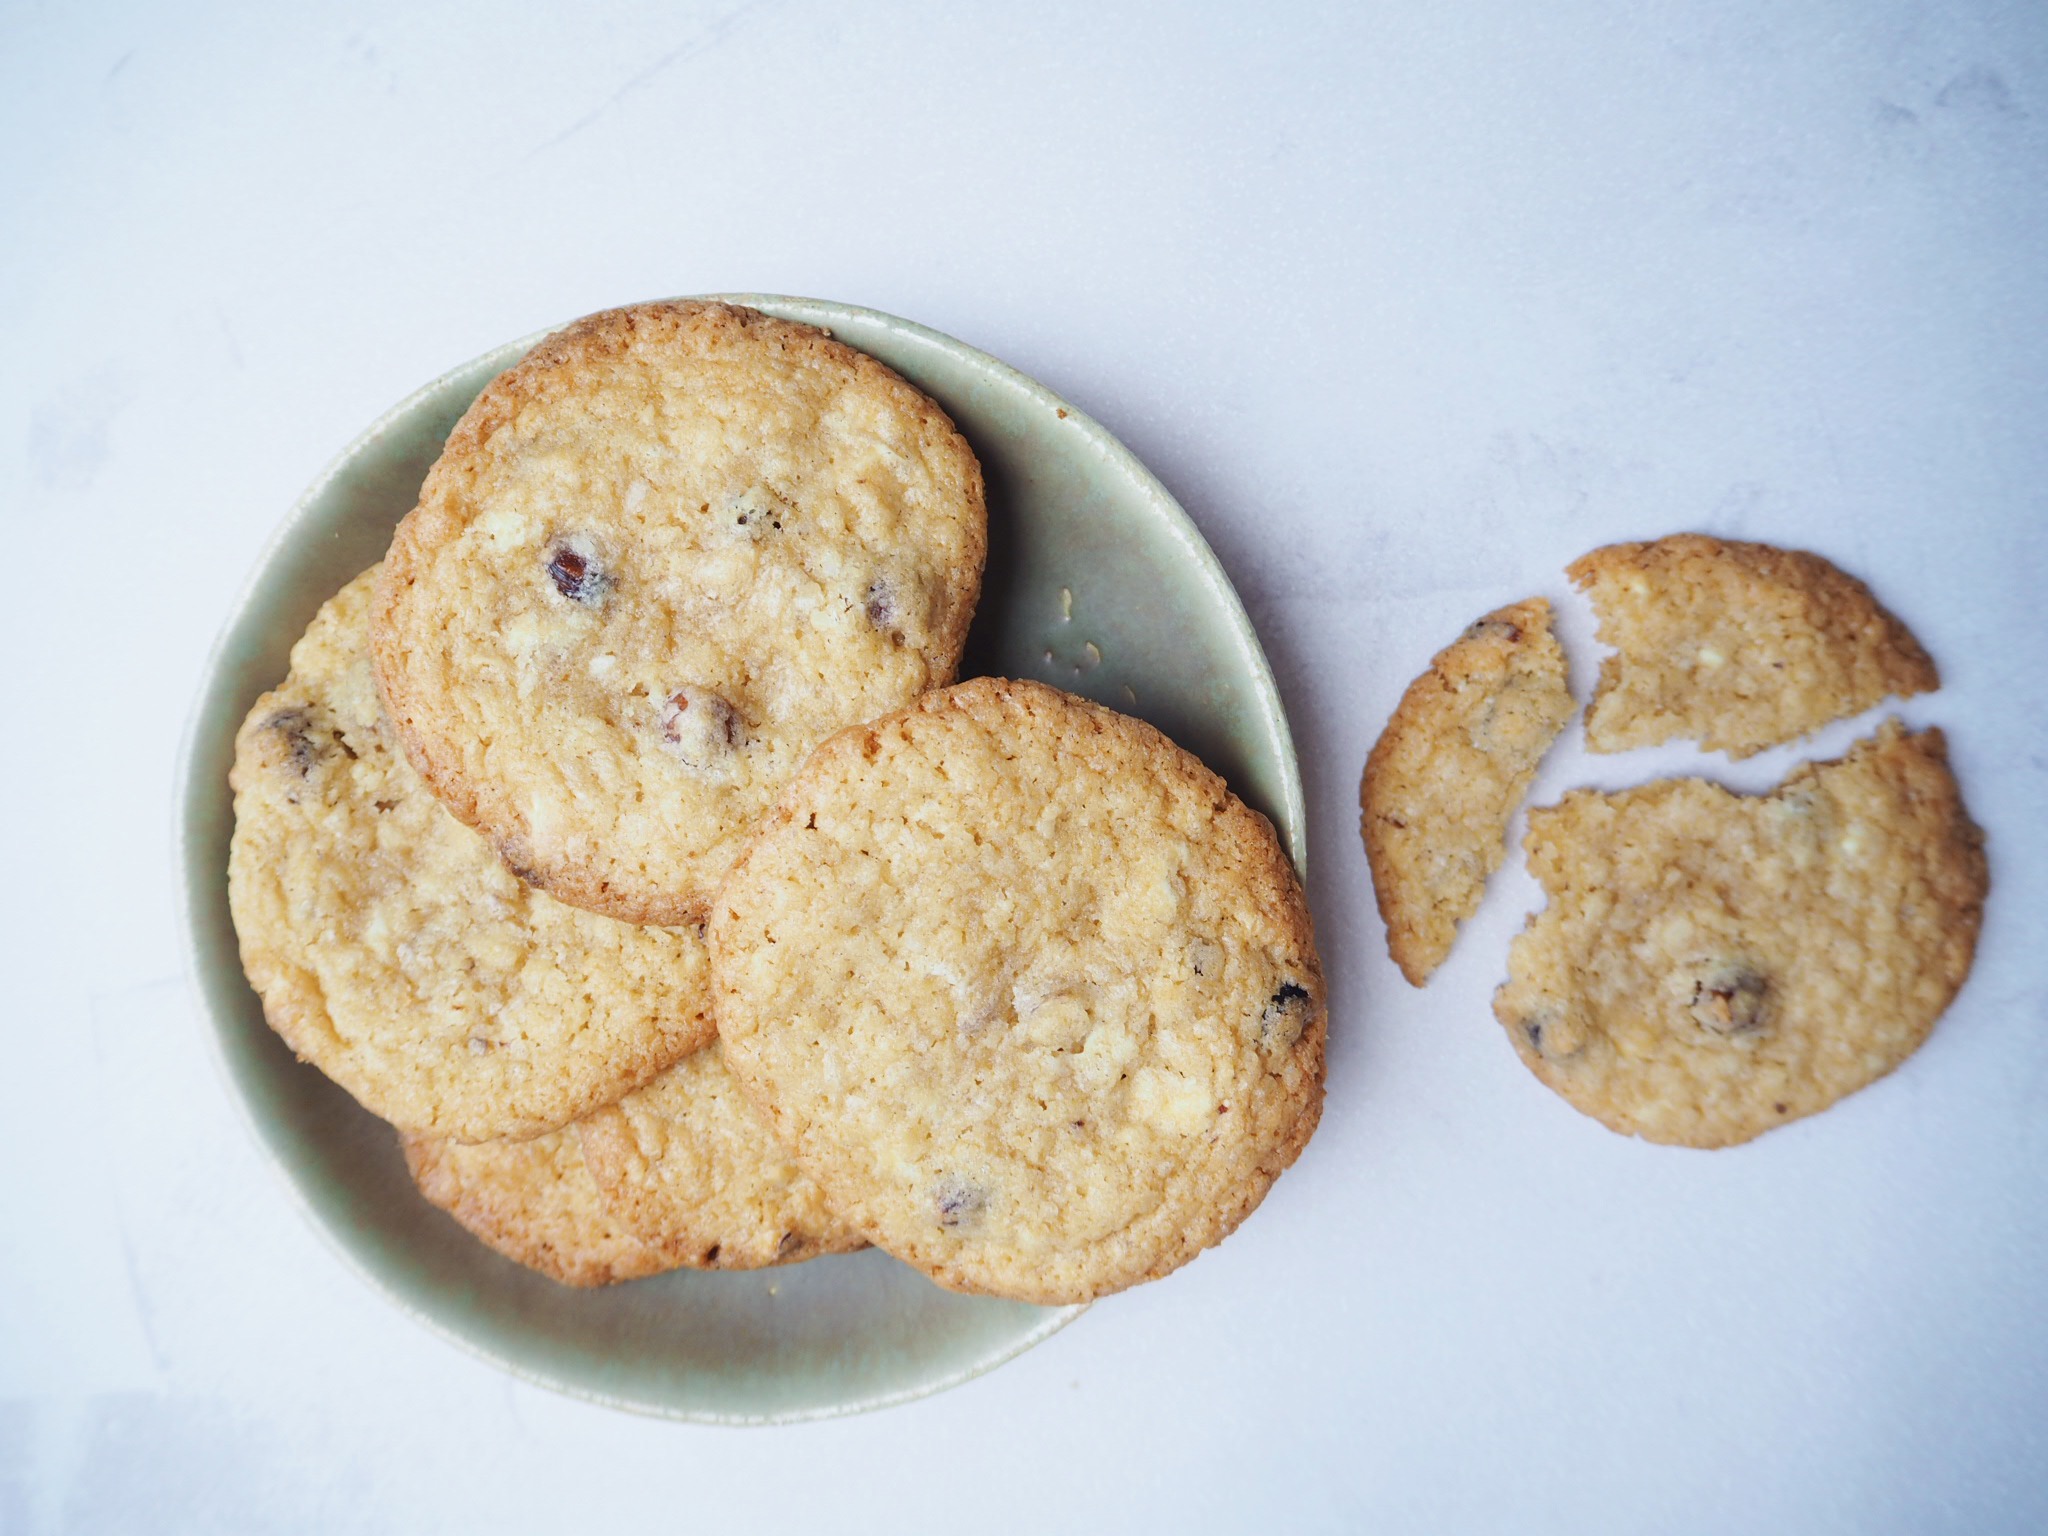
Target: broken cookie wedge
1712	965
1736	646
1444	779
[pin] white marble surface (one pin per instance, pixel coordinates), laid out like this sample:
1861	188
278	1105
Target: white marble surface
1409	303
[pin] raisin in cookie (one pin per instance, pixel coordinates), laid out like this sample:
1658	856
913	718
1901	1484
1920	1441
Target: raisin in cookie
1026	989
534	1202
1736	646
686	1166
1448	771
1711	965
658	561
394	952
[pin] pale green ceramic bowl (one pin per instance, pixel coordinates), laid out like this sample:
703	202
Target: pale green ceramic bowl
1096	581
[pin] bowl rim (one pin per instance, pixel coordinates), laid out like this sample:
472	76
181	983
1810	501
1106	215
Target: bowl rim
1291	813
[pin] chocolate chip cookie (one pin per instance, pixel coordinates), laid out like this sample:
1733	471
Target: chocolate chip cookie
659	561
1446	775
687	1167
534	1202
1711	965
1026	989
1736	646
395	953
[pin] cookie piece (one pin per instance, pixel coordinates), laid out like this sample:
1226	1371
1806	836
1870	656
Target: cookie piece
535	1202
1446	775
395	953
1026	989
658	561
1711	965
687	1167
1736	646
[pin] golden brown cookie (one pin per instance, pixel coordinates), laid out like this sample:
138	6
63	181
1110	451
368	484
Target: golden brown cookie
394	952
1711	965
687	1167
1446	775
1736	646
534	1202
658	561
1027	990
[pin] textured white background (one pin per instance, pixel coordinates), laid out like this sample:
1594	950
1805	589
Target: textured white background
1409	304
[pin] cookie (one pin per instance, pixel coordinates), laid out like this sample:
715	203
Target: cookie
394	952
686	1166
1712	965
535	1202
658	561
1736	646
1027	990
1446	775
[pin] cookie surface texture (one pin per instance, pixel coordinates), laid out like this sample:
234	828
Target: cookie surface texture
393	951
658	561
687	1167
1712	965
534	1202
1736	646
1032	996
1448	771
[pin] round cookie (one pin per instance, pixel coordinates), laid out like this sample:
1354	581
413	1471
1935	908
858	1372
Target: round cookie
1712	965
1027	990
1444	778
1736	646
658	561
534	1202
395	953
687	1167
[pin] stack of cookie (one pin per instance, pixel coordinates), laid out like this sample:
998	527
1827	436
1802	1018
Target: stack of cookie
1711	965
619	840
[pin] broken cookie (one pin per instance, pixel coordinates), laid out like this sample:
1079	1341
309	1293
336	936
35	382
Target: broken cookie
1711	965
1736	646
1448	771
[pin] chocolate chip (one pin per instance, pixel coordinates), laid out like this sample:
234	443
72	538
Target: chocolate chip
703	730
1730	999
1285	1015
1496	628
574	568
881	605
711	1253
1548	1037
756	513
958	1203
293	727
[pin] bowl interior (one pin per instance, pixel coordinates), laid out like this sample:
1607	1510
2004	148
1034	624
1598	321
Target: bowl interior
1096	582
